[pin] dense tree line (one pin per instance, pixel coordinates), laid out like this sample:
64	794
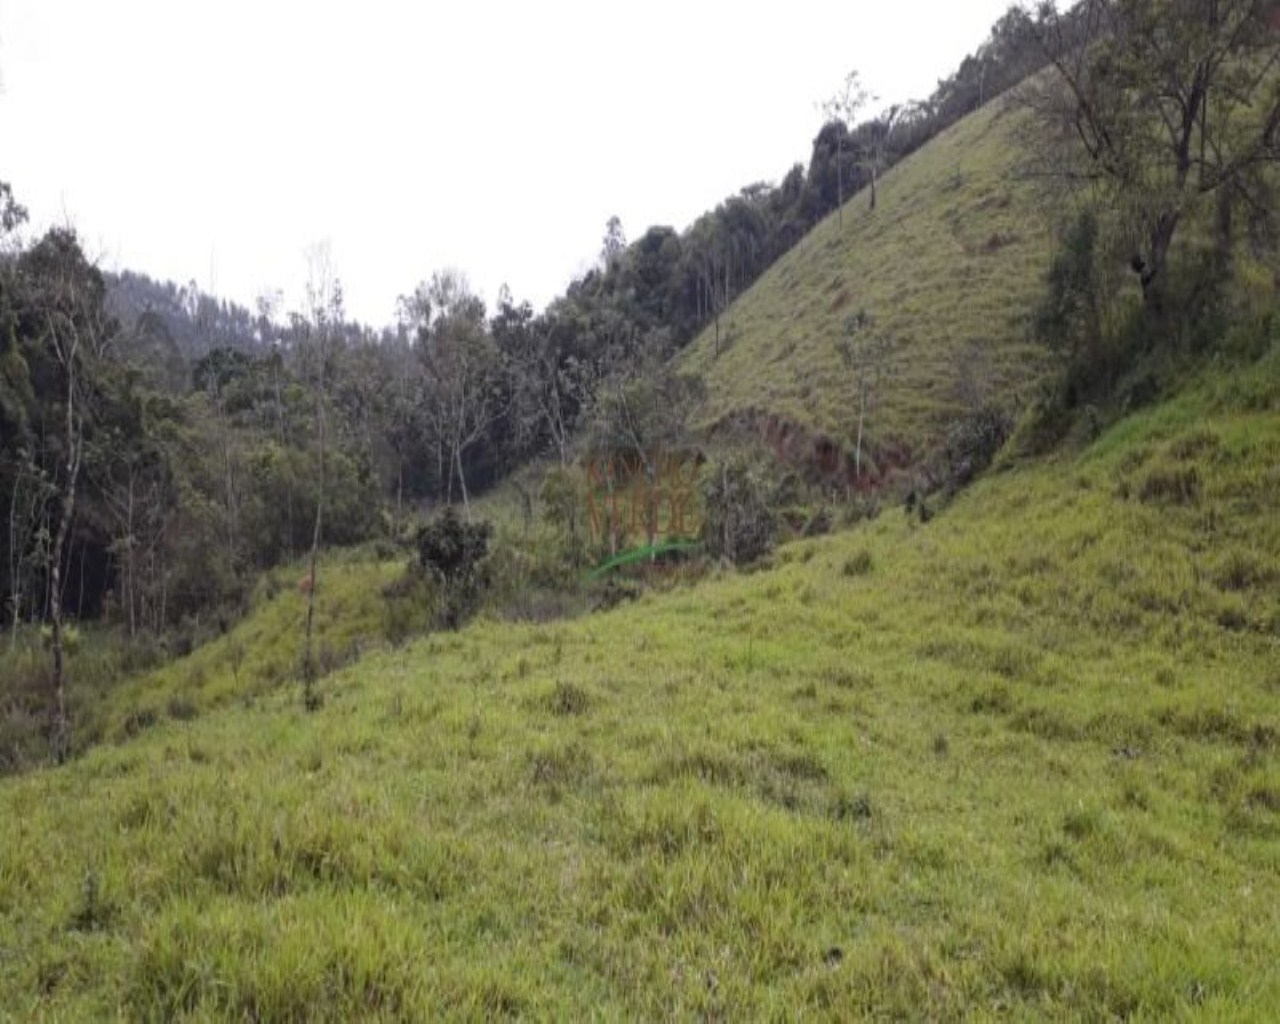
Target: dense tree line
148	496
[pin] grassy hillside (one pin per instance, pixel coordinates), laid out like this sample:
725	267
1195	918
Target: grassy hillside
1021	760
110	698
949	264
264	650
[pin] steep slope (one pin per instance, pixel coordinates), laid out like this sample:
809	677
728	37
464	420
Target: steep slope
948	264
1021	760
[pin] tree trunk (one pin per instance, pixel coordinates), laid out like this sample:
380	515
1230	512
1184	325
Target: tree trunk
48	576
840	181
857	451
228	483
130	583
873	186
444	484
80	596
288	494
164	591
727	525
462	479
15	561
310	700
61	725
1154	274
399	491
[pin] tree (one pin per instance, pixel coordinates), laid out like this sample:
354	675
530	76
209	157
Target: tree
614	244
876	158
1069	316
12	216
1162	103
842	109
65	312
324	301
128	472
546	386
866	354
462	372
739	519
215	375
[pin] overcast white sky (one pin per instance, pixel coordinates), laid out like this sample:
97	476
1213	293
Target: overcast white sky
215	140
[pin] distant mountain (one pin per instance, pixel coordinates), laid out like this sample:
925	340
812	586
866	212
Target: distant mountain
166	327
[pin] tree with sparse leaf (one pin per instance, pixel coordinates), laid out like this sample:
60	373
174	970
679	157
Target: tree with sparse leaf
878	150
462	371
614	244
867	354
324	301
842	109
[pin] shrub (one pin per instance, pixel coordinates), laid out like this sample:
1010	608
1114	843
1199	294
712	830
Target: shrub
452	552
451	548
562	501
973	441
819	524
411	604
739	521
1068	318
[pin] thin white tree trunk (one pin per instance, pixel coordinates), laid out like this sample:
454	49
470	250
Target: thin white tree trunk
61	725
308	666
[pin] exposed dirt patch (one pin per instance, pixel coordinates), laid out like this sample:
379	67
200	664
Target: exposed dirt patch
817	455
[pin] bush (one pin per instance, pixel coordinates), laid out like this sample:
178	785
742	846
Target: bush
1068	318
561	494
452	549
819	524
973	441
452	552
411	604
740	520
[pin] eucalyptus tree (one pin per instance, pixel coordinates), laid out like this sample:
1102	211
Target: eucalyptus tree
842	109
325	316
